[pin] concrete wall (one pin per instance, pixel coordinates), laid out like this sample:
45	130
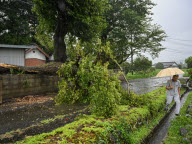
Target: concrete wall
22	85
14	56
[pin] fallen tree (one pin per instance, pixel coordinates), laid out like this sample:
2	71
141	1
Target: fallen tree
87	79
46	69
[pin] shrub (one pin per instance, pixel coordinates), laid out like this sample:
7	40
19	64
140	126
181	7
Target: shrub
87	79
190	73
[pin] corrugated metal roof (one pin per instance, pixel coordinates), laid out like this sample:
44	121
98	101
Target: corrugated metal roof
17	46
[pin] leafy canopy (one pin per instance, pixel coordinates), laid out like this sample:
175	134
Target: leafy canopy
83	19
142	64
130	29
159	66
17	22
189	62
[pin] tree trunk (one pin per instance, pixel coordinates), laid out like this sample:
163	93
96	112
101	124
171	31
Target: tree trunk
131	63
131	56
59	43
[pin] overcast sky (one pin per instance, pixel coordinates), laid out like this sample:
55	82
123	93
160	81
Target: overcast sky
175	17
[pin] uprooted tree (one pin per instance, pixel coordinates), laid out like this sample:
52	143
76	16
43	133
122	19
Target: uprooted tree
87	79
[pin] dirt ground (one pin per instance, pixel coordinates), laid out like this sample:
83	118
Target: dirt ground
16	103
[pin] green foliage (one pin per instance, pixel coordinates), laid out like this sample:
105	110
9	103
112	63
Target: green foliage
130	30
130	125
81	19
180	122
123	131
142	64
189	62
87	79
138	75
104	91
18	71
180	66
159	66
11	71
147	100
17	22
189	71
126	66
46	40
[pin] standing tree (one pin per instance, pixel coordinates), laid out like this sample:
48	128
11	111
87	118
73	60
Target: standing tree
142	64
130	31
159	66
189	62
17	22
82	19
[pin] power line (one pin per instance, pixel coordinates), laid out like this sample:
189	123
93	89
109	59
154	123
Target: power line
179	39
173	49
175	52
183	44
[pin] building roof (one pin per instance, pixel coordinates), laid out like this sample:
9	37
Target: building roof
37	47
167	64
17	46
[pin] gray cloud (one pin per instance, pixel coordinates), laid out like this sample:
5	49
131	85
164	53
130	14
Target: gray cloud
175	17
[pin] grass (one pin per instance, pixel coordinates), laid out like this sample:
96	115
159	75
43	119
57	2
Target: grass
182	121
140	76
133	122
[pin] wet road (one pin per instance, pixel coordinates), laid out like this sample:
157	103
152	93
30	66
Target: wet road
141	86
163	130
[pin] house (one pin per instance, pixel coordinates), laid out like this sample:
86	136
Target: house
35	56
13	54
22	55
167	64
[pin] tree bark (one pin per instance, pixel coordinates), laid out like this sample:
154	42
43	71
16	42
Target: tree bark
59	43
131	61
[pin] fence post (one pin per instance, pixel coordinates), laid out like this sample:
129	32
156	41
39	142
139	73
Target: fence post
1	89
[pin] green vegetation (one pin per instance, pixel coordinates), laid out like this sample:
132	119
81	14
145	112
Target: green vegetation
143	64
130	31
129	125
189	62
79	19
159	66
188	72
86	79
138	75
24	21
182	121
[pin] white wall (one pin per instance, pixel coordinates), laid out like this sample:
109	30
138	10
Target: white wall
35	54
13	56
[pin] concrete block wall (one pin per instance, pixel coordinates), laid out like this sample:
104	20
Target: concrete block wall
12	86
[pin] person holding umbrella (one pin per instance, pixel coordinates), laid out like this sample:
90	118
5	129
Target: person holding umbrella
173	87
173	92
